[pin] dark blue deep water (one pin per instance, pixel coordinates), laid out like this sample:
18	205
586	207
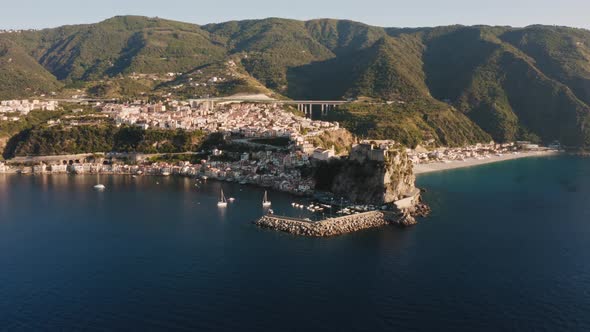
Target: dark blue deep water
506	248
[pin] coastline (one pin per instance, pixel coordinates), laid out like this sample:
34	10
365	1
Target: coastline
442	166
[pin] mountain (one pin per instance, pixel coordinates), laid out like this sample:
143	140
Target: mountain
479	82
20	74
121	45
503	89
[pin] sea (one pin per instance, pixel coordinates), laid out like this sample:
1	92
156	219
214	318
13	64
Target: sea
507	248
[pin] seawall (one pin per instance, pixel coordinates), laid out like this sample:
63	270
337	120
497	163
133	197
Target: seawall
334	226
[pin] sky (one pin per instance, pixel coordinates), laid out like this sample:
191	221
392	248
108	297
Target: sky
23	14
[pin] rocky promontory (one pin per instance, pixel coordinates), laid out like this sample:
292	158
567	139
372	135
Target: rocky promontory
370	175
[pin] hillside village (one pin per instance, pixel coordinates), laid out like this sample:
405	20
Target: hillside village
246	119
261	164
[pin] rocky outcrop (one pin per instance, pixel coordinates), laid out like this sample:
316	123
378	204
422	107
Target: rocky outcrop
369	176
334	226
420	210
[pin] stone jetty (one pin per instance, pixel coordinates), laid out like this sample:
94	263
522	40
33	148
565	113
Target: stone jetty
334	226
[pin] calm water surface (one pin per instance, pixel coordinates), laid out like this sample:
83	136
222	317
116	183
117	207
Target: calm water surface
507	248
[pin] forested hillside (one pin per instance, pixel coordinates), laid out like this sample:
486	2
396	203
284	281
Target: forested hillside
512	83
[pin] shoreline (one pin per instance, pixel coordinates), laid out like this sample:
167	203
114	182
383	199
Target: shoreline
442	166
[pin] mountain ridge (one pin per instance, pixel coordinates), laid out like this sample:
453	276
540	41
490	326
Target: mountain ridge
515	83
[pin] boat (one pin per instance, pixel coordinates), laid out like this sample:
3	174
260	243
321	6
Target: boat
99	186
165	173
231	199
265	201
222	201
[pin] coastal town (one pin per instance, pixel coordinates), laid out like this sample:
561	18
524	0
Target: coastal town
255	128
249	120
244	123
443	158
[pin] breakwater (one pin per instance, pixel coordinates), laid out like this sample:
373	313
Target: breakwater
334	226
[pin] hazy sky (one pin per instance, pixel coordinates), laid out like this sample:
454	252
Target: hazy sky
390	13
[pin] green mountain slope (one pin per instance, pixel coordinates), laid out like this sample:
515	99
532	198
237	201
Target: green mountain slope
561	53
230	79
20	74
391	69
501	88
121	45
410	123
525	83
271	46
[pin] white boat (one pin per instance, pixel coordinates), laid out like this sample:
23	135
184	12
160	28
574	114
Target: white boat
165	173
231	199
265	201
222	201
99	186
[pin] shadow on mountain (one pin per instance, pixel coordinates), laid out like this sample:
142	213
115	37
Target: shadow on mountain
448	70
134	45
324	80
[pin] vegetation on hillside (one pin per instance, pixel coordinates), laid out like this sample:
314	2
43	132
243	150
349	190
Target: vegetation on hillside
56	140
21	75
410	124
523	83
341	140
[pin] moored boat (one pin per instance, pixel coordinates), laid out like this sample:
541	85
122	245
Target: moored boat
265	201
222	201
99	186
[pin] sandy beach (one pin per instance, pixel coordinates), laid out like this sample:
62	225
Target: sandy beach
442	166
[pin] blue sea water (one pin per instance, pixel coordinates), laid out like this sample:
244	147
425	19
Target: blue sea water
506	248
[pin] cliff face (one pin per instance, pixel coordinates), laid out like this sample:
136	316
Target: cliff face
369	176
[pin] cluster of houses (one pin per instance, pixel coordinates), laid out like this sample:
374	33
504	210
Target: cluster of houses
16	30
249	120
278	170
12	110
478	151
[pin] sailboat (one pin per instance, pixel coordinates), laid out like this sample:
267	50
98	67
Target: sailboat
222	201
99	186
265	201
